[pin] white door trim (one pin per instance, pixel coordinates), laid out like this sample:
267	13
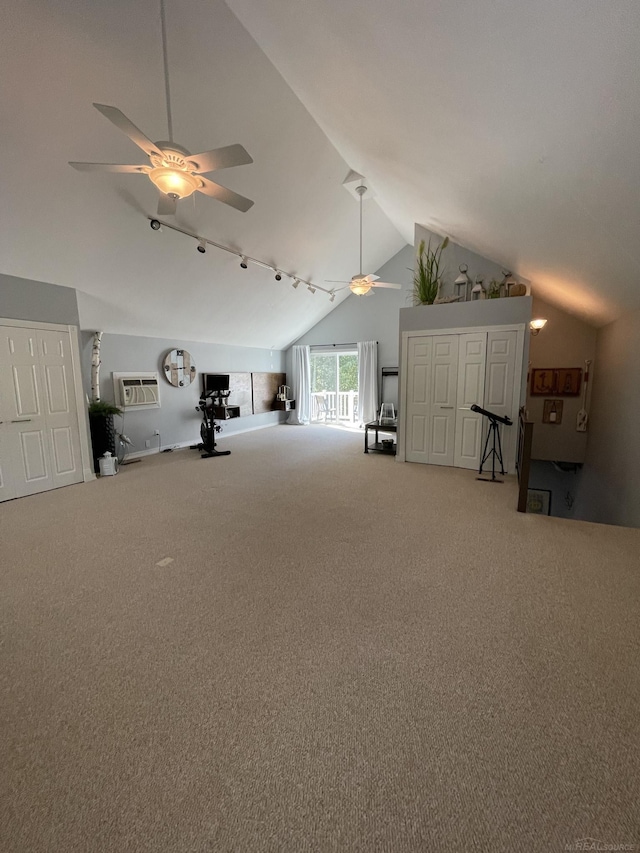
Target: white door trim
81	411
518	388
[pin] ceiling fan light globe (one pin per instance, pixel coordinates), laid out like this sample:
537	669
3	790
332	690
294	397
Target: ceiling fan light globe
360	288
174	182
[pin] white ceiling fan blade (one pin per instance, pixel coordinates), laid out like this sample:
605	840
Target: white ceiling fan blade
371	277
386	284
122	123
223	194
109	167
220	158
335	281
167	205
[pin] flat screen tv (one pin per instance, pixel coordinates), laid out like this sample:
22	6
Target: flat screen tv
216	382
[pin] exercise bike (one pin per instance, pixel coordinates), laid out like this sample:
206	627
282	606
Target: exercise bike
208	428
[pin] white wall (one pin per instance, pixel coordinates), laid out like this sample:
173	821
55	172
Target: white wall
177	418
610	490
566	341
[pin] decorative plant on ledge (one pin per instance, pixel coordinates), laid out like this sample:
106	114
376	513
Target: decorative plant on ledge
426	277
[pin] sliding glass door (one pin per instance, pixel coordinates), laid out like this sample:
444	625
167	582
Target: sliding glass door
334	386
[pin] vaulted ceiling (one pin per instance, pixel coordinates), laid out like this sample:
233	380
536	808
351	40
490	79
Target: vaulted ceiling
512	127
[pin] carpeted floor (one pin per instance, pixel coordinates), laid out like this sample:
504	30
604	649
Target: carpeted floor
345	654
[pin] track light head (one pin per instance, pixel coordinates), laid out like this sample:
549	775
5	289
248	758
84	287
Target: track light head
202	246
155	225
278	277
295	283
311	289
332	296
243	262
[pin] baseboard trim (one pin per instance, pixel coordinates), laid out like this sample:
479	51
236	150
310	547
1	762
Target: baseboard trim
138	454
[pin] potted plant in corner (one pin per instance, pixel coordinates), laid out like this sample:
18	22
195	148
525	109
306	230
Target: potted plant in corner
426	277
103	430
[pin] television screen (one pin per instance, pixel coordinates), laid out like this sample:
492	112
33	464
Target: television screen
216	382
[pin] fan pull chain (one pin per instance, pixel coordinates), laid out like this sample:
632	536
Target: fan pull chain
166	70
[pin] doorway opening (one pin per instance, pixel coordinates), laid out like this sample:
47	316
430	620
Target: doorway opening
334	387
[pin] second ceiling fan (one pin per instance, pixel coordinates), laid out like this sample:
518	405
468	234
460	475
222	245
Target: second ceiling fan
360	284
174	171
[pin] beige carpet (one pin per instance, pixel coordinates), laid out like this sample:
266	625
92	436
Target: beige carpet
346	654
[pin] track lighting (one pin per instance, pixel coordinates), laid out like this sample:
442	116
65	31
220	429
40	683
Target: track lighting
245	260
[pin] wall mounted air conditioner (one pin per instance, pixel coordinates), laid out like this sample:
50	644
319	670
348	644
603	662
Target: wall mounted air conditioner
136	391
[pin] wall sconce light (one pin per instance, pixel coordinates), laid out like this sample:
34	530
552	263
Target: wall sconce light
536	325
463	279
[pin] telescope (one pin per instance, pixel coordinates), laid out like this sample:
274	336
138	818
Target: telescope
496	450
492	416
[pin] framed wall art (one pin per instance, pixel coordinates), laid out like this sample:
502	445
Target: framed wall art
556	381
539	501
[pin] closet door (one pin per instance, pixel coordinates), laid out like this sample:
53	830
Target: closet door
500	378
39	438
418	399
59	403
444	386
471	373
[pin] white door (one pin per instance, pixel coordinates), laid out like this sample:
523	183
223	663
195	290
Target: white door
444	387
499	389
471	372
418	399
39	437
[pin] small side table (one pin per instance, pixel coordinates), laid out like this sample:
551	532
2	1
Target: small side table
377	444
284	405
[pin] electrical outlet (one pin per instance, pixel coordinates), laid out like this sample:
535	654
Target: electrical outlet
147	443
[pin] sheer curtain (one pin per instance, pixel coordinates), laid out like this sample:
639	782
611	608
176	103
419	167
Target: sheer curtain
301	386
367	381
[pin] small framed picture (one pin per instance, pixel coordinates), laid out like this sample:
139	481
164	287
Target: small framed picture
539	501
542	381
568	381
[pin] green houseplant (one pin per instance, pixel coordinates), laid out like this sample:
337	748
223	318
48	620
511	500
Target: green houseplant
426	277
103	431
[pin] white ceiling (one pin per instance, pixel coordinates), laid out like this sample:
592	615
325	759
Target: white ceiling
514	127
90	231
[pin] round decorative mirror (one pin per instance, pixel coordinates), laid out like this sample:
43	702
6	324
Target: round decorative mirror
179	368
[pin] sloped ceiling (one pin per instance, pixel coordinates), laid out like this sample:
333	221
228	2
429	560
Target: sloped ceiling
90	231
513	127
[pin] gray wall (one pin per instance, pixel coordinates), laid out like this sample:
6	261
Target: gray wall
23	299
610	490
177	418
565	341
483	312
370	318
453	256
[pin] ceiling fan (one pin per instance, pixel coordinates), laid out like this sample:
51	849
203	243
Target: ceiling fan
362	285
174	171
